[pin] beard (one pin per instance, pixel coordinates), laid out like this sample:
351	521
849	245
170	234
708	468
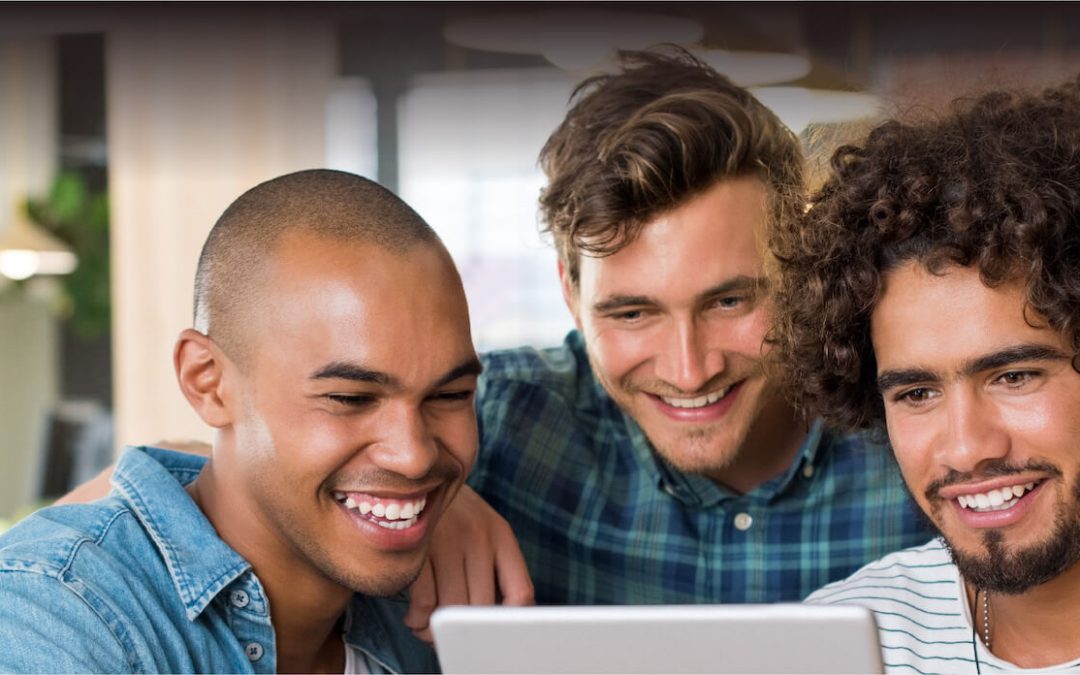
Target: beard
1011	571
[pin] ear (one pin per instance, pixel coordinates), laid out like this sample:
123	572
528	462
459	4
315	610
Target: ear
199	367
569	293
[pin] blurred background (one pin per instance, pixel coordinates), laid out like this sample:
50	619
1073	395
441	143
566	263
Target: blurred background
125	130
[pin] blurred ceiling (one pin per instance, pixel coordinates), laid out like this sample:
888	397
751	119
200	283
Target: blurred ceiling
846	41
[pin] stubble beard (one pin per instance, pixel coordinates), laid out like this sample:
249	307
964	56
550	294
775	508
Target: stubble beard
704	450
1012	572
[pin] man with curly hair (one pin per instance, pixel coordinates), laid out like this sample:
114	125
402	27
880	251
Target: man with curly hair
934	293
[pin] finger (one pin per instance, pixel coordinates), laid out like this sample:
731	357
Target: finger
451	581
480	578
425	636
515	584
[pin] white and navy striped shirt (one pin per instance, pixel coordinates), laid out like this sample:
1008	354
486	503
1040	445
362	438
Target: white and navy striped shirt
922	614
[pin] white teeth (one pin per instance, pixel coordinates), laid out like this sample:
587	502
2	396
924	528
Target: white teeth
396	524
699	402
994	500
396	515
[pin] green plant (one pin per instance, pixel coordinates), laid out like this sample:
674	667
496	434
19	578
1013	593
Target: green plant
79	216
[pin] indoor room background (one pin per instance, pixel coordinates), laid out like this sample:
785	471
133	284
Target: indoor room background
125	130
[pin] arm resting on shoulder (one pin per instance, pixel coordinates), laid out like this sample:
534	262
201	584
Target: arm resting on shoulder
475	560
98	486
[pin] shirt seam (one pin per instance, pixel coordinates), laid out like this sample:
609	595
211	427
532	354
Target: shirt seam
60	575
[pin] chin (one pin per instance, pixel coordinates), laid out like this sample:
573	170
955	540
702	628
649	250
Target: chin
382	585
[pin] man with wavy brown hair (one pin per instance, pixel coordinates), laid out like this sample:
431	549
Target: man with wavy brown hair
935	293
649	459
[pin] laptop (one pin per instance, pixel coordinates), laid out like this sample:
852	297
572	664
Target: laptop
778	638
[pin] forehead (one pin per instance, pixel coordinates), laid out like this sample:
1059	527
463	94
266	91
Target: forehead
942	321
713	237
327	300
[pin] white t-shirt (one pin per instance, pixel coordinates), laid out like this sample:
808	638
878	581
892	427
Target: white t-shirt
923	618
355	661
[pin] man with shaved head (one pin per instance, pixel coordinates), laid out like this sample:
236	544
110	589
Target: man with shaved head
332	356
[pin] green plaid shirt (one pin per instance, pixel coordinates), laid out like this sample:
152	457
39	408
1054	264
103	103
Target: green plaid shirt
603	520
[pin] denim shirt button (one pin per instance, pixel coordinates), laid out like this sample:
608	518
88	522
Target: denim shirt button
239	599
254	651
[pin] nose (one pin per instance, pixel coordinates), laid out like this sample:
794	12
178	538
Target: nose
687	360
406	445
974	432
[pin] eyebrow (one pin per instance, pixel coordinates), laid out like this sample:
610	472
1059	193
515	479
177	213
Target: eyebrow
739	283
890	379
341	370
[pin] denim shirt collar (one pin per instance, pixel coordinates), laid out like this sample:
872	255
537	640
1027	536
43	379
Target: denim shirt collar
201	565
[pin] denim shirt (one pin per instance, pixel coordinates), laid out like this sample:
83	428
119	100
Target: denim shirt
140	582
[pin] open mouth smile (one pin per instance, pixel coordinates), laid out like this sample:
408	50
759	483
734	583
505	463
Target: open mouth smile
697	402
391	514
996	500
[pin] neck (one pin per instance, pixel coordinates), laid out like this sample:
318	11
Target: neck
1034	629
306	607
768	450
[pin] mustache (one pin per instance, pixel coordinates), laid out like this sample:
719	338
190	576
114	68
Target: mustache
994	470
384	479
724	379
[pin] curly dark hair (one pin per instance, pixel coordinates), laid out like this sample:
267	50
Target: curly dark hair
994	183
648	139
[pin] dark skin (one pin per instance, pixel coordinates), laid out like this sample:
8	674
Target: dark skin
349	399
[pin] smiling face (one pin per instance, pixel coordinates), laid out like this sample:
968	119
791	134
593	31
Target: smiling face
353	422
983	411
674	324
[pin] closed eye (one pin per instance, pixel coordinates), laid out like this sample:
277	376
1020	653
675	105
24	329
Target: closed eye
351	400
462	395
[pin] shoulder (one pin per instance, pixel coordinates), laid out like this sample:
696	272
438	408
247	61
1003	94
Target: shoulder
918	604
528	391
60	584
54	537
909	575
557	369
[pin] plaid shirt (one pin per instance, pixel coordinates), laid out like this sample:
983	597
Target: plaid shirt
602	519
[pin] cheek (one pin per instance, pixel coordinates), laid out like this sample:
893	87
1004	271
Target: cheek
911	442
618	352
739	335
458	433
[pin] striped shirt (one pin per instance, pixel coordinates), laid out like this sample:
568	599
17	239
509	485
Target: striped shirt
602	519
922	613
